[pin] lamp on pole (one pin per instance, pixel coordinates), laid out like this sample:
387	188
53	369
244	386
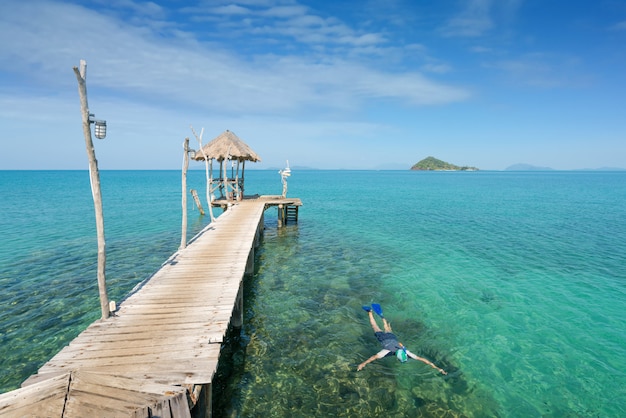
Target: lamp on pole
100	126
94	177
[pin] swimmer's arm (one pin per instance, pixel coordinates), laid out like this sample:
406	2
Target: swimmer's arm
423	360
366	362
380	354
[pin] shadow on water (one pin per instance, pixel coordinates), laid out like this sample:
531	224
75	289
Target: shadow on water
305	333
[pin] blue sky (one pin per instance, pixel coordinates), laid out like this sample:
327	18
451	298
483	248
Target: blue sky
324	84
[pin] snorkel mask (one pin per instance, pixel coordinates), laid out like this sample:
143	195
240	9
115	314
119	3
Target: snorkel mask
401	354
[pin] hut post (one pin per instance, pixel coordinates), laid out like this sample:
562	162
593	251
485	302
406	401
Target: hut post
229	195
211	181
94	177
239	194
224	166
243	180
183	239
208	184
219	185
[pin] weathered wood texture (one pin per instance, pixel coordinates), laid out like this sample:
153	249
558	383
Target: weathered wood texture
80	394
45	399
94	176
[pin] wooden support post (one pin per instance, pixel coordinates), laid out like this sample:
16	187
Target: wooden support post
250	262
262	227
208	400
237	318
204	406
259	233
183	238
281	215
196	199
94	177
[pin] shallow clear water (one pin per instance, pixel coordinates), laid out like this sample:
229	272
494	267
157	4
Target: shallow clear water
515	283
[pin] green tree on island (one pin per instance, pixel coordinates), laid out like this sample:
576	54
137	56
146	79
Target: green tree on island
433	164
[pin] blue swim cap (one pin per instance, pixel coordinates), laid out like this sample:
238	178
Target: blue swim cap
401	354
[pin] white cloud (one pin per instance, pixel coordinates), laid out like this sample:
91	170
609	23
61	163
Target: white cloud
619	26
542	70
436	68
144	8
126	60
285	11
473	21
284	24
481	49
478	17
231	9
150	82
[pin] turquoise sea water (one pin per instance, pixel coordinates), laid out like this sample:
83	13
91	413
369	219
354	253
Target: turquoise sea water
513	282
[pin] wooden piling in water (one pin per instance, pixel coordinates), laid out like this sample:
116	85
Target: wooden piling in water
196	199
237	317
287	212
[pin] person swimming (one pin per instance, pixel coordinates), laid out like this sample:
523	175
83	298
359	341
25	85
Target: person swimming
389	341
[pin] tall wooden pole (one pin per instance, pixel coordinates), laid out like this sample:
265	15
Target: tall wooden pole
94	177
183	240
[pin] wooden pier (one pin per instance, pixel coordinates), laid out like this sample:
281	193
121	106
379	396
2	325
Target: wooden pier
157	356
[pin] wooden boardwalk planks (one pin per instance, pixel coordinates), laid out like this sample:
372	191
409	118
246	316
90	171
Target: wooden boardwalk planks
46	399
190	298
167	333
81	394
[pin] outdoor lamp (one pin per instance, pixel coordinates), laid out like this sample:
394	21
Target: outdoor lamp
192	153
100	129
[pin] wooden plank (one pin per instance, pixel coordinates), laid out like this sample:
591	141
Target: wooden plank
120	395
132	347
223	299
212	297
172	324
169	377
199	371
137	354
118	334
164	319
197	310
186	340
158	351
45	399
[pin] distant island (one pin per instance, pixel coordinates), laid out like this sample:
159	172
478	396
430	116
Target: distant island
526	167
530	167
433	164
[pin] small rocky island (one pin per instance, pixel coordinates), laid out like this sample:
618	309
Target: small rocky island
433	164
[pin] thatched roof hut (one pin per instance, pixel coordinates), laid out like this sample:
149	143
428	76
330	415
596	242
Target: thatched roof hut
227	146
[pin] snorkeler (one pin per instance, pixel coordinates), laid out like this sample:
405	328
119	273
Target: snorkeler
389	342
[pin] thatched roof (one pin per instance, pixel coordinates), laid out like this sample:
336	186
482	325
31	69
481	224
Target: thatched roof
228	145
